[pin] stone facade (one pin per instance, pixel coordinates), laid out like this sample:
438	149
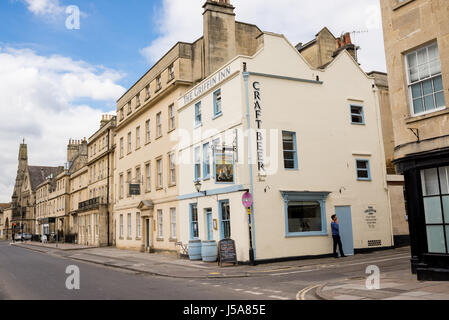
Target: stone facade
416	34
146	134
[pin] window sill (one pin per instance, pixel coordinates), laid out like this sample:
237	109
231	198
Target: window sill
218	115
171	130
138	238
137	148
358	123
160	239
425	116
170	80
198	125
121	238
306	234
206	178
359	179
160	188
158	89
291	169
172	185
129	238
173	240
158	137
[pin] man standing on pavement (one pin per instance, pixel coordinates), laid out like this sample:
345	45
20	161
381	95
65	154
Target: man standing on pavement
336	236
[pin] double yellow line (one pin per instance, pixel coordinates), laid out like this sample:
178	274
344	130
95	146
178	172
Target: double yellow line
301	295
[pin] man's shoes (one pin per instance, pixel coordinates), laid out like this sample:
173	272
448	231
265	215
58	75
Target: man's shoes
343	256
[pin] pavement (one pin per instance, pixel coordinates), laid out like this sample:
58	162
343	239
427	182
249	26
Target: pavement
395	283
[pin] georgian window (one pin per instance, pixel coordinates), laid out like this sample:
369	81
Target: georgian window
363	170
217	103
198	120
424	80
171	117
289	149
159	125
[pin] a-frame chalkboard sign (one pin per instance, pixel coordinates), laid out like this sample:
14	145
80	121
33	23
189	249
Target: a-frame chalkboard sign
226	252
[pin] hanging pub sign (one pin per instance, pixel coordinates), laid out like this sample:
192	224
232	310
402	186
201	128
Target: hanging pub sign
134	189
224	166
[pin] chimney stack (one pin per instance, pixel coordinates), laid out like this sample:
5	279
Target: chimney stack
344	43
219	34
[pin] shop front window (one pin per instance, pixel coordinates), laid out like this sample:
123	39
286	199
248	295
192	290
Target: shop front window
435	188
305	213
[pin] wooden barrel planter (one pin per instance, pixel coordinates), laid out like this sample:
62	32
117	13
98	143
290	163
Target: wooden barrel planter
195	249
209	251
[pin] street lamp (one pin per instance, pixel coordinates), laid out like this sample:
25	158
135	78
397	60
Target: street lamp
198	185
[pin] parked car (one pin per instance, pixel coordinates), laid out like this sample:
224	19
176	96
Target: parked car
18	237
27	236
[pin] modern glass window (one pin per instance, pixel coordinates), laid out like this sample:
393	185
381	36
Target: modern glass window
198	114
159	173
217	102
138	225
357	115
435	188
147	131
160	222
173	222
197	160
148	177
424	80
206	161
172	169
194	230
130	230
363	170
290	151
121	226
225	219
171	117
159	124
129	143
137	137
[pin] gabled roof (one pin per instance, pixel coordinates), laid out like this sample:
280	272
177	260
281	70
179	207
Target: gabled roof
38	174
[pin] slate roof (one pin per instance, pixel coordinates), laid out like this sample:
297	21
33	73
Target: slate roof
38	174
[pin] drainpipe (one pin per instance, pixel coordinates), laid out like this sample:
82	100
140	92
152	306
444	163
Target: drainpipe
107	192
252	253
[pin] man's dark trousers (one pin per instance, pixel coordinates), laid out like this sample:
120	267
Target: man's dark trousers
337	241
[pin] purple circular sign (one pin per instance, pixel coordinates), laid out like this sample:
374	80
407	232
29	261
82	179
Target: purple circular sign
247	200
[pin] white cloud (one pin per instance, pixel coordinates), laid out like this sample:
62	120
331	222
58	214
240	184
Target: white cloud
39	103
298	20
44	7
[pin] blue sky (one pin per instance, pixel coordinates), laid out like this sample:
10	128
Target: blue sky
111	33
56	83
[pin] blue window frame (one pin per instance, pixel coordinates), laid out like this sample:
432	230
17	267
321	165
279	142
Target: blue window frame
194	229
217	103
357	115
198	120
290	150
363	169
305	213
224	216
206	162
197	163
